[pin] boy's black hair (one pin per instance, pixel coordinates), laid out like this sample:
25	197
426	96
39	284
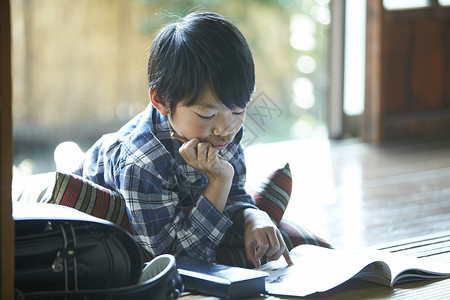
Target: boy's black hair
201	49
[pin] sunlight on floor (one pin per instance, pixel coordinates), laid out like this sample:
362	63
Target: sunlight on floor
351	189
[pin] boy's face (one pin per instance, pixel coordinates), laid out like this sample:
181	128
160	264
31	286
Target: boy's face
208	120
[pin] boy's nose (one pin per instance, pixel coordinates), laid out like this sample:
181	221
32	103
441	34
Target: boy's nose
224	126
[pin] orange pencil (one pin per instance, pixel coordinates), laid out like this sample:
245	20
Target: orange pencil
179	137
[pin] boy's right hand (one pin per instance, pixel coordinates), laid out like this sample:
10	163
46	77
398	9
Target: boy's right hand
205	158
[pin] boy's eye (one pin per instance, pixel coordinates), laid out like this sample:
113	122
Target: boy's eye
206	117
238	113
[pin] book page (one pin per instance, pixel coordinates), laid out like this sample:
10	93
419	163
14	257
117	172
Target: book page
407	268
316	269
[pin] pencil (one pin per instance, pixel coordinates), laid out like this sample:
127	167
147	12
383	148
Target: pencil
179	137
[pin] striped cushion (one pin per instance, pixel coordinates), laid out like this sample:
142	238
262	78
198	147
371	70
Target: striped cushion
273	197
86	196
274	193
295	235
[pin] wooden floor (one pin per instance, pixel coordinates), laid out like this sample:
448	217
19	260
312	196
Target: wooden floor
355	194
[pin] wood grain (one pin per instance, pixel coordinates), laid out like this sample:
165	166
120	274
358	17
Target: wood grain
6	223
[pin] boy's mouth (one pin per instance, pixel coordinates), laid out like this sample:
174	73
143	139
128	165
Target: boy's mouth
220	146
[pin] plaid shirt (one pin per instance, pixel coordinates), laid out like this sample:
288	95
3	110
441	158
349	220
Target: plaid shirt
164	196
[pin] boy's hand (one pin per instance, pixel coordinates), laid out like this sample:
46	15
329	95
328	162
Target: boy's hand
262	237
205	158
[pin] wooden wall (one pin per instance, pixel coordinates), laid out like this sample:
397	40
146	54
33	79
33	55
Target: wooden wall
408	79
75	62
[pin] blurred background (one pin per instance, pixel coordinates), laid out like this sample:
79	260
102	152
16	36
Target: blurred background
79	68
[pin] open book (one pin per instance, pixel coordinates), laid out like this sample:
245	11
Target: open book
318	269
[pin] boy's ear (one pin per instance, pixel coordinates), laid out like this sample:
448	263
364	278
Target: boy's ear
158	103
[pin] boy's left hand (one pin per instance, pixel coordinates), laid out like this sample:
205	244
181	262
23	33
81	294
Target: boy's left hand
262	237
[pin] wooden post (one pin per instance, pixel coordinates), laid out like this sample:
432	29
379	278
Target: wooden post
6	222
372	114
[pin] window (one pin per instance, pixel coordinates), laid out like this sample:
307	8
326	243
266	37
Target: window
405	4
444	2
354	57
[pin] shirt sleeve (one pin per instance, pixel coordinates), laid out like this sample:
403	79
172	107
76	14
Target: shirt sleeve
159	221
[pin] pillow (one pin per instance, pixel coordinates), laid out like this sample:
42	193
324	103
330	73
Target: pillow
295	234
272	195
86	196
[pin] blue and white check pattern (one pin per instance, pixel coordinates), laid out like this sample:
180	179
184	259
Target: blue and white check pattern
164	196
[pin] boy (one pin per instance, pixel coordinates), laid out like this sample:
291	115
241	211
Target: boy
182	196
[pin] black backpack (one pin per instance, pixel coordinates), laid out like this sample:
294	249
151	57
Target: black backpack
62	253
